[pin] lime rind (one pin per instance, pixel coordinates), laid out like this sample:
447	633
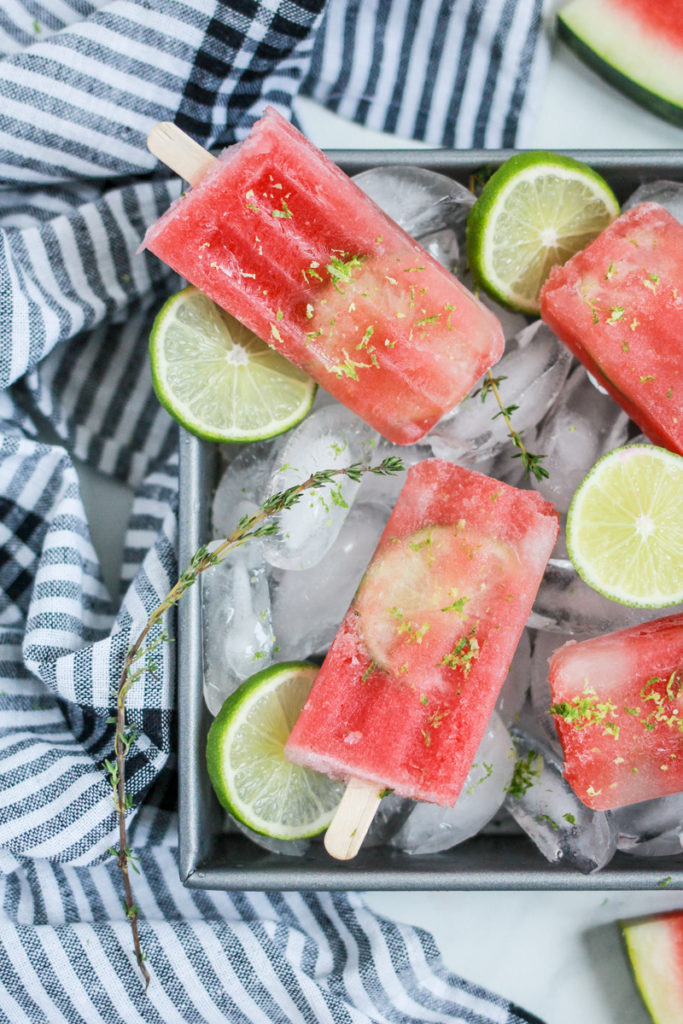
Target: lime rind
246	762
532	193
216	378
625	527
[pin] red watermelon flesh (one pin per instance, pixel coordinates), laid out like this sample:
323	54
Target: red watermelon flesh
411	679
618	305
618	710
286	242
655	948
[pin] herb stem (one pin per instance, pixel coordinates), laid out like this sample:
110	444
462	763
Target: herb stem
248	527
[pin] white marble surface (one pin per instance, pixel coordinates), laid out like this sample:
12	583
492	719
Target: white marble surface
556	953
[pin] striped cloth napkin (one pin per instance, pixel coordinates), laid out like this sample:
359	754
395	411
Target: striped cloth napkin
81	83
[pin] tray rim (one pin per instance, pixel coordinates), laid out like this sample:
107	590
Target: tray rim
373	870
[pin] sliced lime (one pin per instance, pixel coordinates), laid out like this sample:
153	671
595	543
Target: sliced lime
246	759
625	526
536	211
218	379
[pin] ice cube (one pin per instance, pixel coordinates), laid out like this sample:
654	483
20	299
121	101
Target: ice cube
516	682
286	847
243	480
391	814
577	431
430	828
423	202
545	806
534	369
309	605
384	490
653	828
237	635
668	194
565	604
332	438
545	644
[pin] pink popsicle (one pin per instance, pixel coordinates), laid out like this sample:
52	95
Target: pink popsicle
280	237
618	706
618	305
411	679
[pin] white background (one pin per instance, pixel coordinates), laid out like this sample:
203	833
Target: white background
556	953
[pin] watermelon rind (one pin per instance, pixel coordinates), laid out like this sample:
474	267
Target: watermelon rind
650	944
605	41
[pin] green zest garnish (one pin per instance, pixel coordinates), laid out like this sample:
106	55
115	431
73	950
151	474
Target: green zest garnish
526	769
464	653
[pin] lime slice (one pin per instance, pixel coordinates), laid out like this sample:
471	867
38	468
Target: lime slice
218	379
625	527
245	755
536	211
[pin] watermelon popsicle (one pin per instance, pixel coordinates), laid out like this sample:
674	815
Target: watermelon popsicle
618	306
280	237
618	709
410	681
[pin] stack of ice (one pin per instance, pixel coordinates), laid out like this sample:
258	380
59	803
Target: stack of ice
283	598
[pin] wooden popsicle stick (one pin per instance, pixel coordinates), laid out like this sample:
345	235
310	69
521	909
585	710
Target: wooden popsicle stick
178	151
353	818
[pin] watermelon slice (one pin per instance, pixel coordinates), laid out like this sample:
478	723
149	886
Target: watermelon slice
618	305
635	45
655	948
618	710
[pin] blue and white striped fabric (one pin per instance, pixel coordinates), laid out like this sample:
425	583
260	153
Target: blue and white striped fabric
459	73
81	84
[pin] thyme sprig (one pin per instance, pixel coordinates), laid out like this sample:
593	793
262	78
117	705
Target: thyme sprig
140	656
531	463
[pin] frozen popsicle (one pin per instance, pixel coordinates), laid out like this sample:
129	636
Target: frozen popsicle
408	686
279	236
618	709
618	305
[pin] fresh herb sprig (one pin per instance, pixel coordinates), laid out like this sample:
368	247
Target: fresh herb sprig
531	463
139	658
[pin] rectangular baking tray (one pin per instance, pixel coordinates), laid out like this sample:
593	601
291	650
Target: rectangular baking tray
211	859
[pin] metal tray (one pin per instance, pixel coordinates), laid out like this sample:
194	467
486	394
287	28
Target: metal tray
212	859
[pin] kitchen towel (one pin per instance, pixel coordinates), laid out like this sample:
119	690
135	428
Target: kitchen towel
81	84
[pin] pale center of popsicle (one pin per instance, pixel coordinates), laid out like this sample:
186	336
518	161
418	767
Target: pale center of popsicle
420	603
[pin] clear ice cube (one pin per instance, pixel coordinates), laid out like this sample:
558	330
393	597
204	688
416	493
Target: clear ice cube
565	604
551	814
309	605
430	828
237	635
668	194
429	206
534	366
580	427
242	485
285	847
332	438
653	828
514	690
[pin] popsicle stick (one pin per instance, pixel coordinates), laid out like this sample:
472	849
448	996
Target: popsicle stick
178	151
352	819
